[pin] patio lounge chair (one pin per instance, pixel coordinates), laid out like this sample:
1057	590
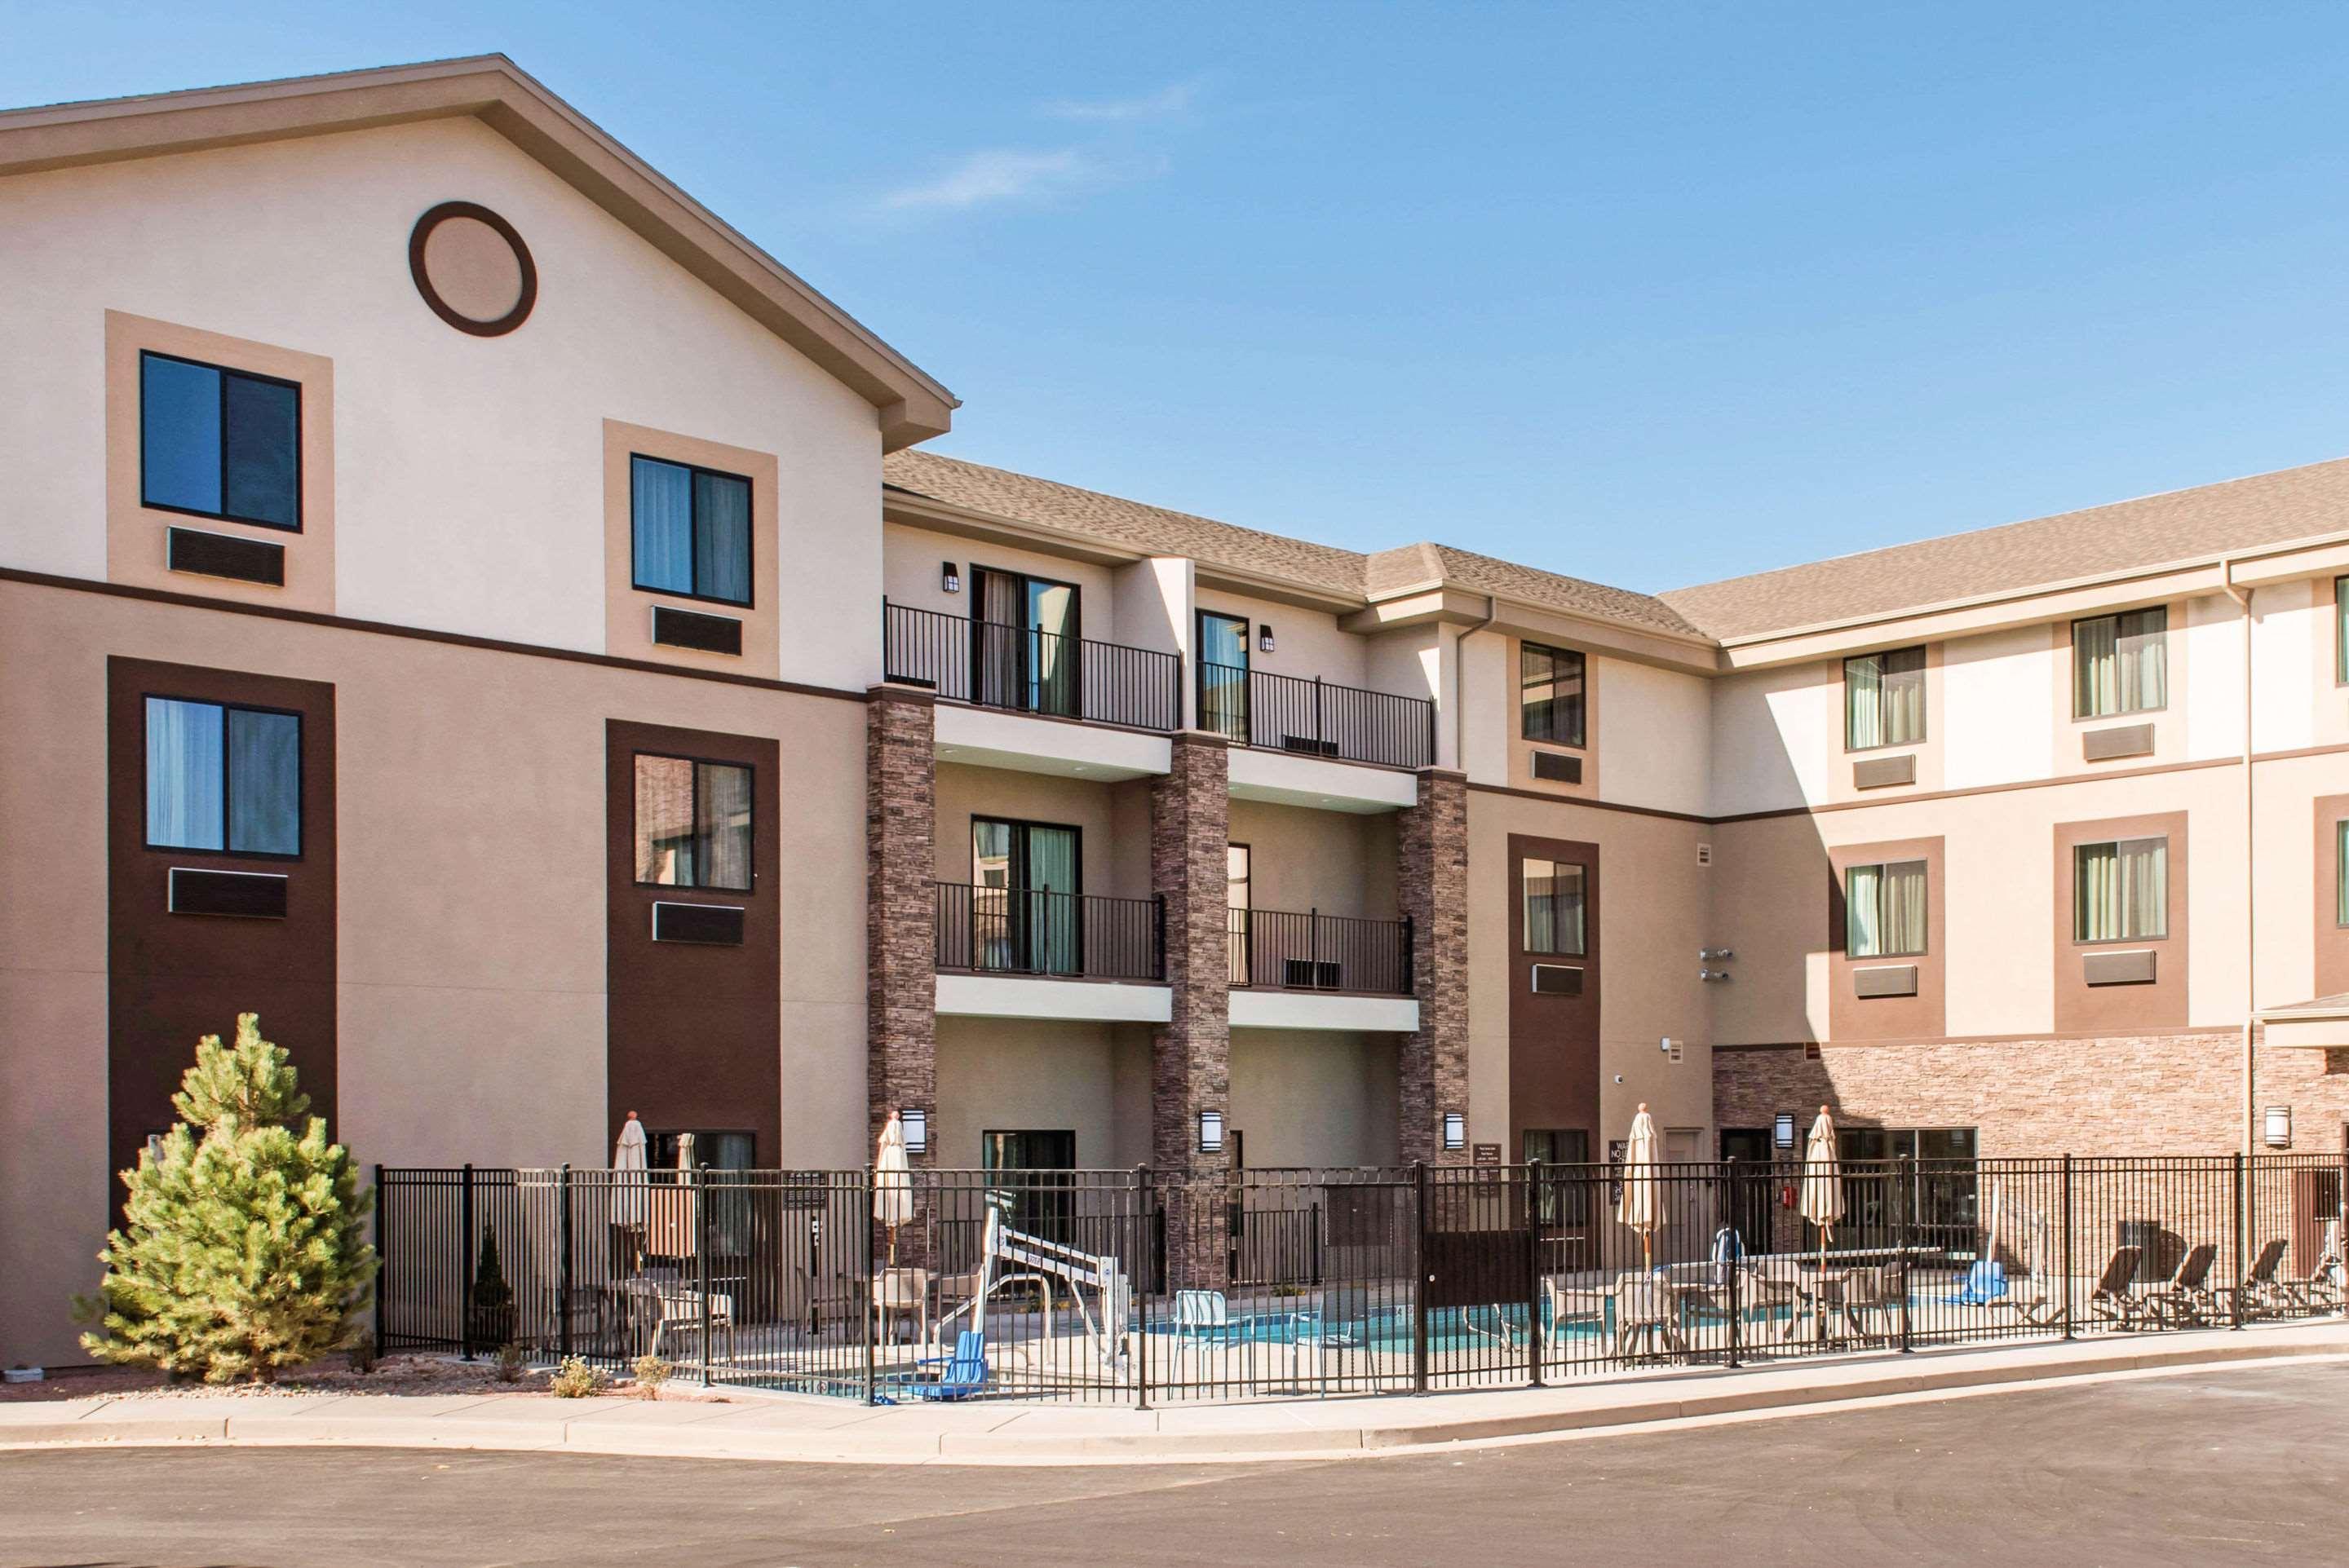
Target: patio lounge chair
2319	1289
1881	1293
961	1374
1758	1291
1646	1306
2262	1290
901	1292
2114	1300
2187	1298
677	1310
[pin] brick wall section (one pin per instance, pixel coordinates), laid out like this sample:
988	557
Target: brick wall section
1431	886
2154	1094
900	984
1191	1054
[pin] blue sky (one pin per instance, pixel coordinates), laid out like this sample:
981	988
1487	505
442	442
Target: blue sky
1651	294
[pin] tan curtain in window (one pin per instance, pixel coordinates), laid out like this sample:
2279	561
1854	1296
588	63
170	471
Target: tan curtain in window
1904	907
1863	696
2122	890
2096	667
1904	696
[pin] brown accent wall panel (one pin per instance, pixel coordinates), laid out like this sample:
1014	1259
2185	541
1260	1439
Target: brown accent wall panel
2332	936
171	978
2087	1007
1554	1052
1866	1000
693	1030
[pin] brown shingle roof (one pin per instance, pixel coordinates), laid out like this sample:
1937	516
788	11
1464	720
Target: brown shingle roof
1024	499
2183	525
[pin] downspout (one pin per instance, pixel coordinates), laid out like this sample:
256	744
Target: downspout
2250	877
1459	671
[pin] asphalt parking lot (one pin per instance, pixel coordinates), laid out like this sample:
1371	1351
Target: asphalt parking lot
2240	1466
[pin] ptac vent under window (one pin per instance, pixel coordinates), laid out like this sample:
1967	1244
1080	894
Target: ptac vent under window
1557	980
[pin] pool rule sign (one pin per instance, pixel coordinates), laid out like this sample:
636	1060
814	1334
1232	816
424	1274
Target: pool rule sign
1485	1156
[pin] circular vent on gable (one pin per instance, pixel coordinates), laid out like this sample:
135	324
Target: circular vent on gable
473	269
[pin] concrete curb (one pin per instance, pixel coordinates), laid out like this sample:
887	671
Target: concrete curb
782	1429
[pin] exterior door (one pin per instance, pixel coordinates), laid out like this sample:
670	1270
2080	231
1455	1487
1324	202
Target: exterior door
1034	1199
1026	903
1025	644
1223	676
1237	872
1752	1184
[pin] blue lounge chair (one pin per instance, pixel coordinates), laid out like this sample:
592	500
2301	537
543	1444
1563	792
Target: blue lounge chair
1984	1283
965	1371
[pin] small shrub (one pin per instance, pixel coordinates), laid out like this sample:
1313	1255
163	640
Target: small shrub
362	1355
651	1373
494	1299
575	1379
509	1363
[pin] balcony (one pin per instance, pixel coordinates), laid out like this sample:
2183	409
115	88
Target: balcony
1315	718
1061	935
1021	671
1277	950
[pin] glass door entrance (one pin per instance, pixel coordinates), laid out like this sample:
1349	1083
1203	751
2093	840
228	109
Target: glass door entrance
1025	882
1026	646
1223	676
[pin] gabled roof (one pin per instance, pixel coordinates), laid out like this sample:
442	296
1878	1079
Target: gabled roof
494	90
2174	528
1413	567
1022	498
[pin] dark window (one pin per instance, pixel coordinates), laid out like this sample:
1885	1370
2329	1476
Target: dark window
1223	676
2120	664
2340	630
1554	909
1027	642
1549	694
219	443
692	530
1884	699
1943	1197
2341	871
1562	1202
1040	1201
693	823
224	777
1025	881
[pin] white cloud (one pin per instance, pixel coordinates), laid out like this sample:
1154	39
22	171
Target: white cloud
1165	104
1008	175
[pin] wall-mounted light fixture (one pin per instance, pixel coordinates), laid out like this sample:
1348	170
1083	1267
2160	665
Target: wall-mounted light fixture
949	578
2278	1128
1456	1132
917	1126
1782	1131
1211	1132
1264	637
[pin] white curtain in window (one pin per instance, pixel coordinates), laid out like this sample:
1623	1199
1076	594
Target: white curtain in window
2144	660
1863	692
661	497
1904	907
721	537
1884	910
1863	900
185	809
722	833
2120	664
2096	667
1553	896
2121	890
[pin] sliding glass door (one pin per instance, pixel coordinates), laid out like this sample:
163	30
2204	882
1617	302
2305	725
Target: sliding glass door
1223	676
1026	908
1026	644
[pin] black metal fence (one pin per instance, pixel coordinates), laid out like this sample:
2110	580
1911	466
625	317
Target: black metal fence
1024	930
1318	717
1281	949
1143	1285
1000	666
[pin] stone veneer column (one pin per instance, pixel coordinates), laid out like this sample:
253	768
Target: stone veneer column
1431	886
1191	1054
901	1061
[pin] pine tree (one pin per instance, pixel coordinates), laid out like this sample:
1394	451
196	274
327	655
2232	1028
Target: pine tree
244	1251
493	1300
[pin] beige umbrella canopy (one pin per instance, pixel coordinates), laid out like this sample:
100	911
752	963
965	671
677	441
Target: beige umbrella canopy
1641	1207
628	1179
892	1182
1821	1199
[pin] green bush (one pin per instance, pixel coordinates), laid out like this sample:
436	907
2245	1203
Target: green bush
575	1379
244	1251
494	1299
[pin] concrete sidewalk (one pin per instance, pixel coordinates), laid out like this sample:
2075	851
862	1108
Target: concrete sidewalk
765	1427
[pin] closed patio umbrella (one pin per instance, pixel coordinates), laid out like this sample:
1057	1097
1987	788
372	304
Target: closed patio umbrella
892	1182
628	1178
1821	1199
1641	1206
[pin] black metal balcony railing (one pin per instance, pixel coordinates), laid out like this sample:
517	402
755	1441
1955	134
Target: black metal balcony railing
998	666
1318	717
1020	931
1277	949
